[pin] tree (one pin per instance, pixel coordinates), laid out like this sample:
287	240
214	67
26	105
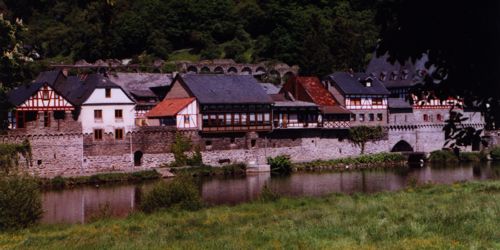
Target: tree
360	135
316	57
13	62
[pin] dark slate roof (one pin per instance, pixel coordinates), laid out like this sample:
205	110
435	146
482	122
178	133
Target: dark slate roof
49	77
270	88
398	103
52	78
142	84
218	89
20	94
352	84
406	74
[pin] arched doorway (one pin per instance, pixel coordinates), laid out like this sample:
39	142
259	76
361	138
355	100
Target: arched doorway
138	158
402	146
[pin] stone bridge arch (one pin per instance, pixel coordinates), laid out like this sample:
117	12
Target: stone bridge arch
402	146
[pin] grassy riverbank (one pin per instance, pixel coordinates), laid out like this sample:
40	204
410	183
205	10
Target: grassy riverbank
379	160
435	217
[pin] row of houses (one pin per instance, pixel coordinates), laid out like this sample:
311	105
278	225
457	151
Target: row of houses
220	103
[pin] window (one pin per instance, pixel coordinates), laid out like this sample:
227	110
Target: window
356	101
20	119
108	92
353	117
46	119
371	117
252	119
205	120
377	101
97	134
253	143
361	117
259	118
119	134
426	118
45	93
186	120
267	118
232	140
118	114
98	115
228	119
439	117
379	117
243	119
236	119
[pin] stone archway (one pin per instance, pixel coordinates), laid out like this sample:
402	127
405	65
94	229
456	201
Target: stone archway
205	70
260	71
219	70
232	70
246	71
192	69
138	158
402	146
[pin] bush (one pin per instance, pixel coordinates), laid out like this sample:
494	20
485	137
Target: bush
280	164
179	193
443	156
472	156
20	202
495	153
267	194
234	169
58	182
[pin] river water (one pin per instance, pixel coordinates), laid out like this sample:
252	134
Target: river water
86	203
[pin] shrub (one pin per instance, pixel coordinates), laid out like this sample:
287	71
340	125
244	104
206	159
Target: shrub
267	194
443	156
471	156
196	159
280	164
20	202
495	153
9	154
58	182
234	169
179	193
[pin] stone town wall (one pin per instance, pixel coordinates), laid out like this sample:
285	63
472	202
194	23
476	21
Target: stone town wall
80	154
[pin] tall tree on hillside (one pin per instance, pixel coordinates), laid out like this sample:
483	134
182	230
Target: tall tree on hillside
316	58
13	68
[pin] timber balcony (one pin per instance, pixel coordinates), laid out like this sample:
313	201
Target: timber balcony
237	128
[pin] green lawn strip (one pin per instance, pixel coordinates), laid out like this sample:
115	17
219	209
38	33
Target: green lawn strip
458	216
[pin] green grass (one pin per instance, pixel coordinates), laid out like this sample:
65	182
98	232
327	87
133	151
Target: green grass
61	182
372	160
183	55
459	216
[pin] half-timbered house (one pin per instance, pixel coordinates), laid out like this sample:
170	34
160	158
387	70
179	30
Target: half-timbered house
105	106
181	113
361	94
42	106
309	90
225	103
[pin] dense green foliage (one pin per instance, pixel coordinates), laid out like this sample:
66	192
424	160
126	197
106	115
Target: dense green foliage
381	158
280	164
267	194
473	156
20	202
443	156
9	155
339	34
458	216
180	192
360	135
235	169
495	153
62	182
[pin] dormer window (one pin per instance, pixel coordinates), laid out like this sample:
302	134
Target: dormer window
394	75
108	92
367	82
382	76
405	74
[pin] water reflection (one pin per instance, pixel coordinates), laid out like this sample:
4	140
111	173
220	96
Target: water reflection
80	205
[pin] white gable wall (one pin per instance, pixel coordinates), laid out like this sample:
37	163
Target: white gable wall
98	101
190	111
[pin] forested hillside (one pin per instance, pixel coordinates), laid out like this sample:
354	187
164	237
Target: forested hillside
319	36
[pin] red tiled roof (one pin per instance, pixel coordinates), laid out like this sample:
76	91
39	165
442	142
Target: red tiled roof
318	93
169	107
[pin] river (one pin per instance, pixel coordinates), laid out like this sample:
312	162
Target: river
85	203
